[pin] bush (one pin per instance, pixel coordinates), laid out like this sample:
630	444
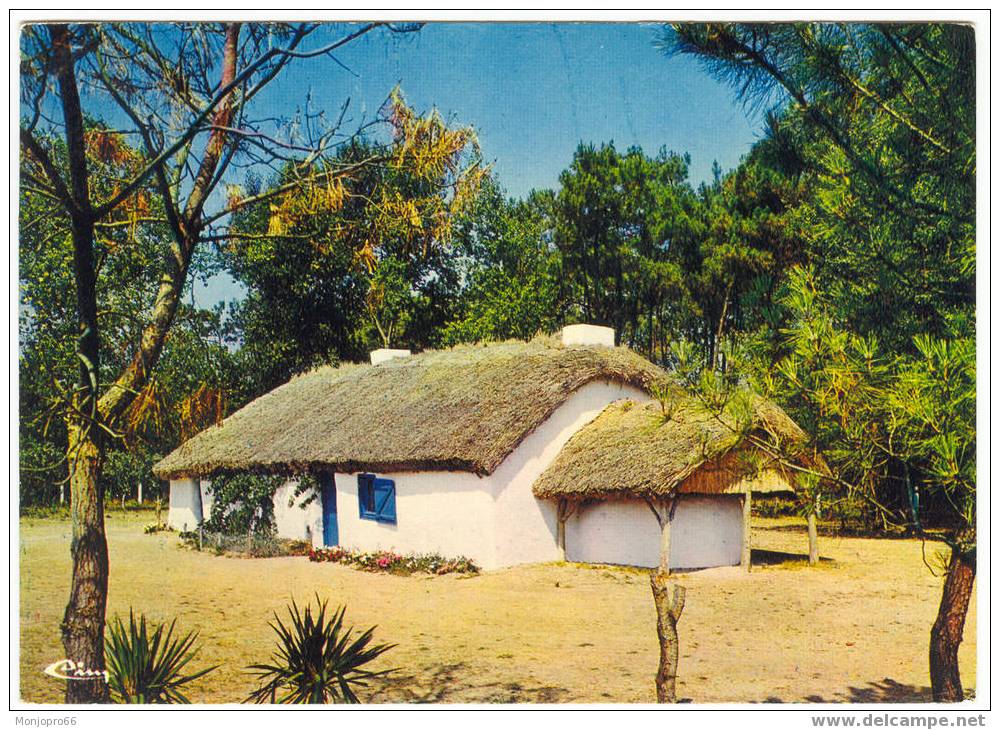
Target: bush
316	661
250	546
144	669
776	507
390	562
243	503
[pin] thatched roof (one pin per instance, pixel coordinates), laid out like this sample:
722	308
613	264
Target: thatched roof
633	449
463	409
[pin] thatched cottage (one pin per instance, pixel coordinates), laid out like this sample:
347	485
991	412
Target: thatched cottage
506	453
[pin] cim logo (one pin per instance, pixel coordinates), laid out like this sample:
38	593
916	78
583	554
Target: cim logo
68	669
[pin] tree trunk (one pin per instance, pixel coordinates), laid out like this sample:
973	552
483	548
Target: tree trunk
665	541
946	634
83	623
669	600
722	324
813	542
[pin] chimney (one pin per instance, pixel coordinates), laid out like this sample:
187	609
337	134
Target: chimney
384	354
588	334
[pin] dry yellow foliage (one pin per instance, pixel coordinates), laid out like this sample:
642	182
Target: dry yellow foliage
205	407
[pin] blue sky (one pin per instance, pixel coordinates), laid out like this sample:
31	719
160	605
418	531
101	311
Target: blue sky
533	91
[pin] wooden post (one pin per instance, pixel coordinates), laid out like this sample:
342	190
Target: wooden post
564	511
664	514
813	542
745	554
561	529
139	496
665	542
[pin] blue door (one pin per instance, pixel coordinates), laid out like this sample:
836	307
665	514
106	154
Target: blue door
329	495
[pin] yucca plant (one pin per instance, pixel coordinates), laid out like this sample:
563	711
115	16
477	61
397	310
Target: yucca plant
146	668
317	661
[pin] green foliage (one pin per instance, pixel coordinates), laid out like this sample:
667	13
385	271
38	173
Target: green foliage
642	251
876	135
317	660
898	430
148	668
871	150
338	269
512	276
625	227
41	469
243	504
123	470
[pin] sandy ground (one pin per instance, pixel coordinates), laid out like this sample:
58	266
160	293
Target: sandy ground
854	629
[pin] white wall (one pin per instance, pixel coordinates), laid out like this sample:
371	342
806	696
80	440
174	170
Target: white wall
446	512
707	531
526	526
207	499
292	520
618	532
185	504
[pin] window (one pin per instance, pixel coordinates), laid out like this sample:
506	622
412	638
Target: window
377	498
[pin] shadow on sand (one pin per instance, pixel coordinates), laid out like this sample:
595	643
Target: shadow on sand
885	691
453	683
777	557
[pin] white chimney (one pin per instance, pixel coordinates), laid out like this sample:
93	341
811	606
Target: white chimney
588	334
384	354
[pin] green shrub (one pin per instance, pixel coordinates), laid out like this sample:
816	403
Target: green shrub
316	661
243	503
251	545
148	669
776	507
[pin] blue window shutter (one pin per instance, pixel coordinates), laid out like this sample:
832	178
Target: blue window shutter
376	498
385	500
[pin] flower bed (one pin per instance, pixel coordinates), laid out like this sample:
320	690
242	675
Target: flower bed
390	562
